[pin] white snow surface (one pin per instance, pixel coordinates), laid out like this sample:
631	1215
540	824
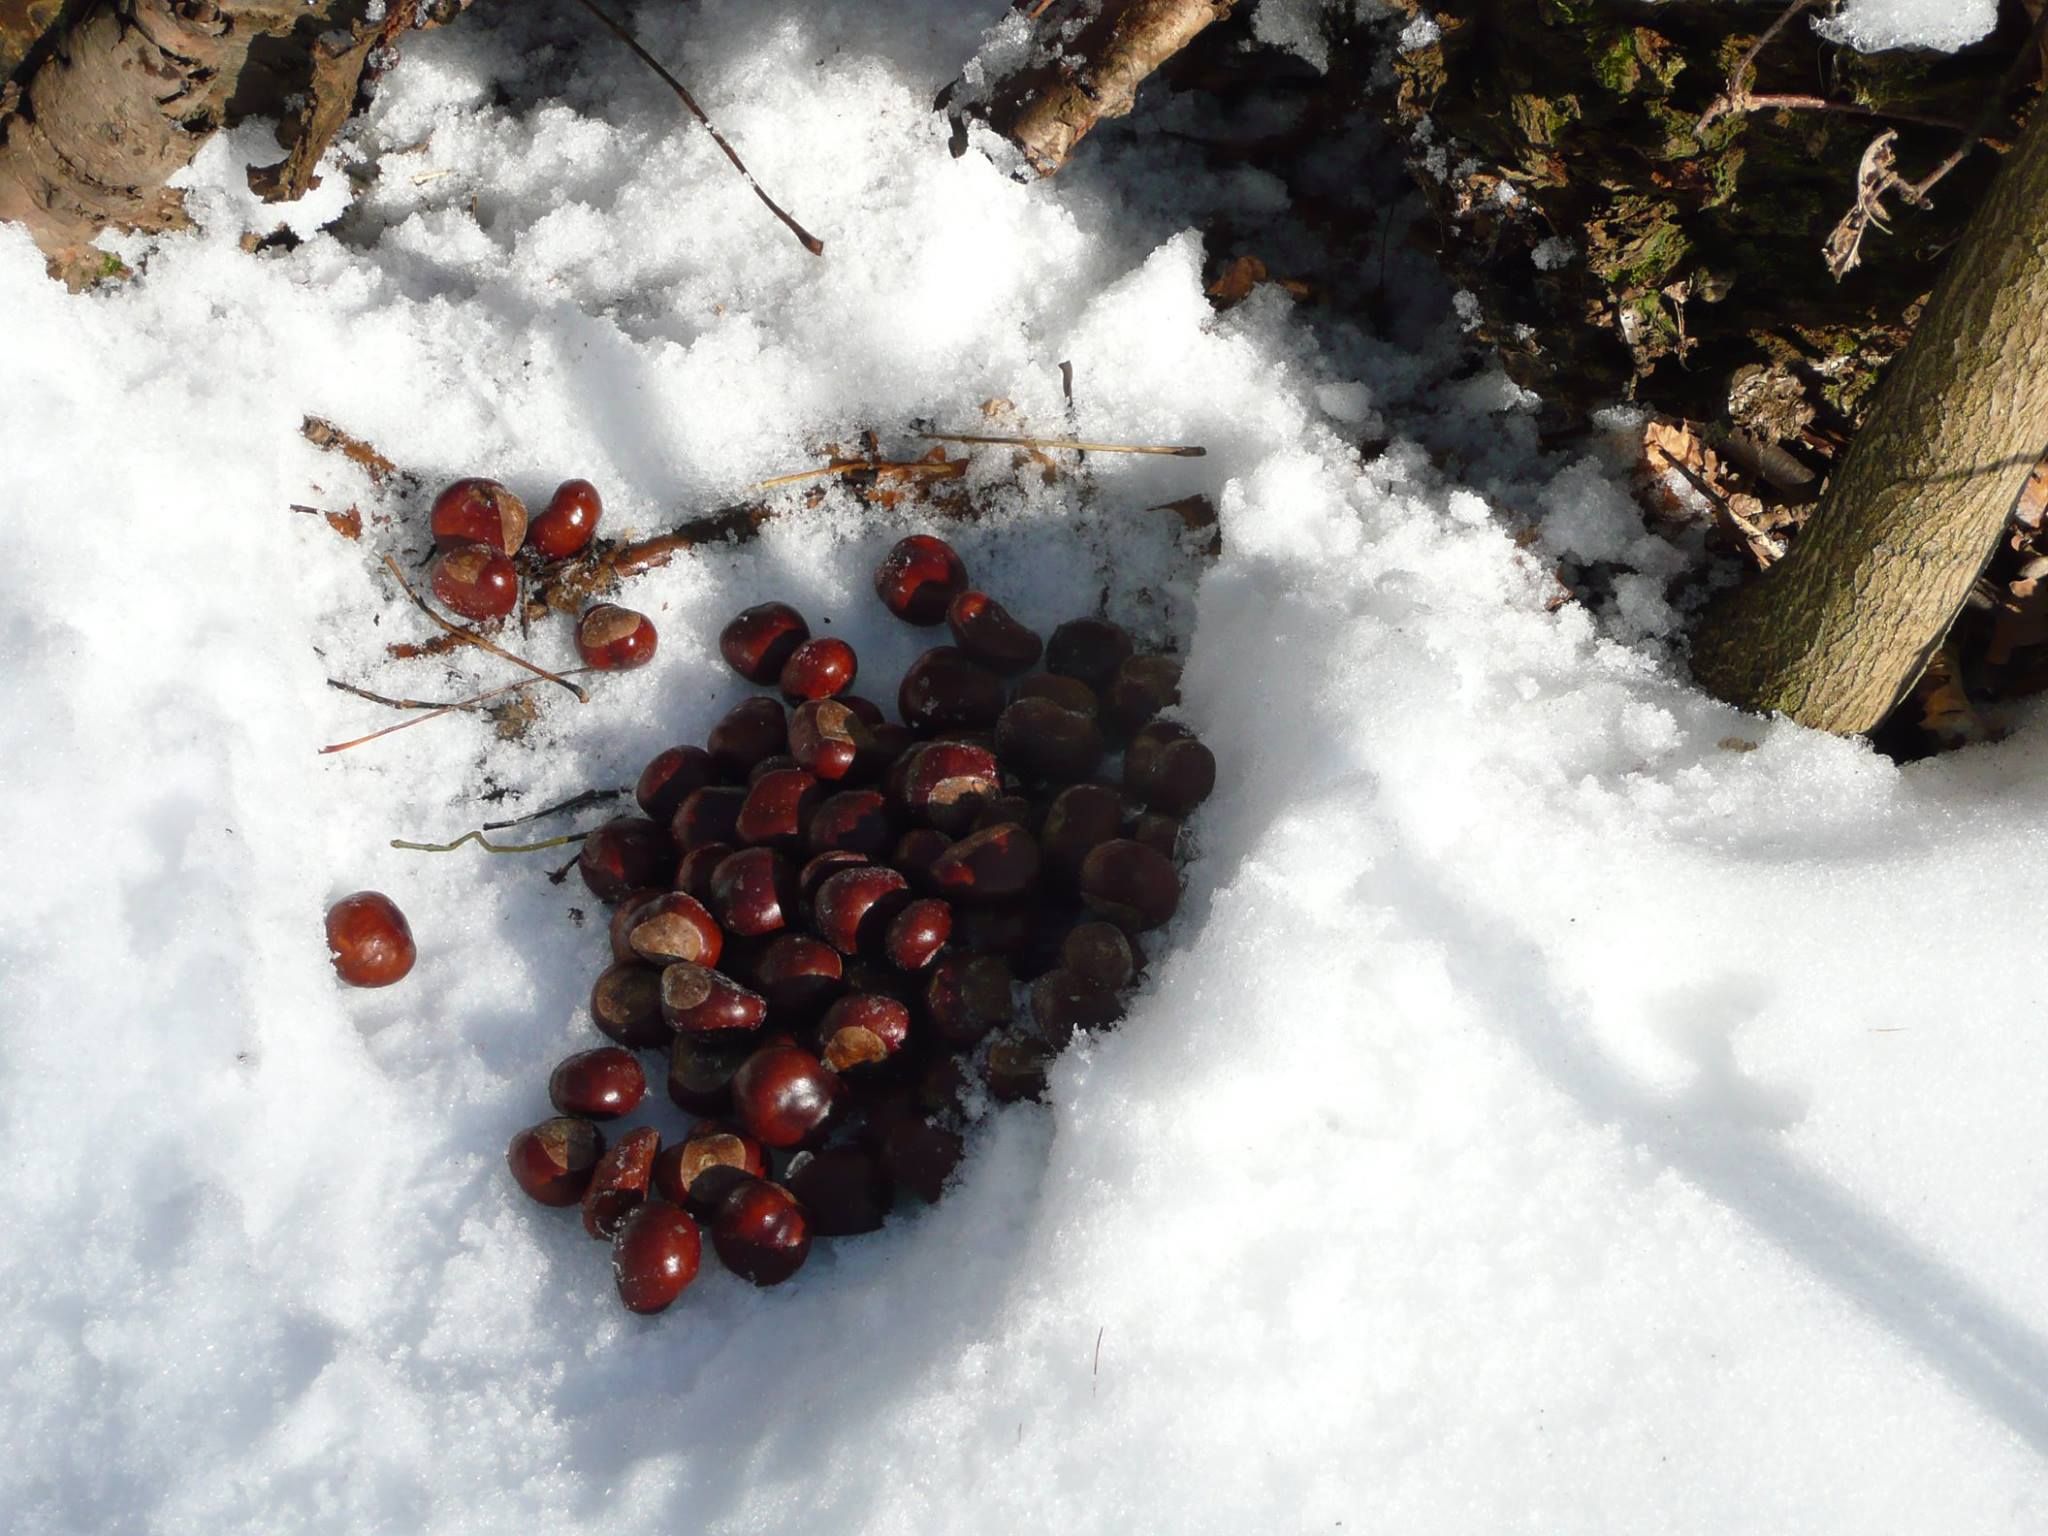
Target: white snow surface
1873	26
1562	1104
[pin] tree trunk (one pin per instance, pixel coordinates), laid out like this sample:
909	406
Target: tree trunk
1837	633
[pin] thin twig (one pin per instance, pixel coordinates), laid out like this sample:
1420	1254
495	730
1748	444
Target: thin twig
573	803
437	711
1737	93
1068	443
2027	54
379	698
488	846
950	469
810	241
471	637
1793	103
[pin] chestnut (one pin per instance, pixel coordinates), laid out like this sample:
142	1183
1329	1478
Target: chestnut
693	874
945	783
1003	928
825	738
1070	693
1158	832
1016	1069
823	867
671	926
983	628
852	821
698	1172
1008	808
597	1085
476	582
860	1028
1100	953
1089	649
946	691
614	639
799	976
1130	884
754	892
782	762
1168	768
784	1095
1063	1001
853	908
748	732
701	1068
917	850
708	816
670	778
655	1254
369	940
917	934
843	1190
818	669
760	1233
553	1161
886	742
1142	687
779	805
968	996
625	1005
759	641
480	512
920	1156
697	1000
627	854
1038	740
1079	818
918	578
619	1182
568	522
991	865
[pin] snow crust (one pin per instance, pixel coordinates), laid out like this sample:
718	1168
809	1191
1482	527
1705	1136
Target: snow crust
1873	26
1562	1104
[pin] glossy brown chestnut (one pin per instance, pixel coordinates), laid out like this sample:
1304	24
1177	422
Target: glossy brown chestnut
919	577
754	892
479	512
916	851
818	669
1129	884
1079	819
699	1171
779	805
628	854
917	934
784	1095
825	738
670	778
693	874
760	640
782	762
749	731
1100	953
862	1028
853	908
568	522
697	1000
655	1254
983	628
614	639
945	691
852	821
597	1085
945	783
553	1161
1063	1001
1016	1069
619	1182
822	867
1158	832
625	1005
369	940
799	976
672	926
1070	693
760	1233
1090	649
476	582
920	1156
843	1190
1038	740
701	1068
1143	686
968	996
1169	769
708	817
623	918
993	864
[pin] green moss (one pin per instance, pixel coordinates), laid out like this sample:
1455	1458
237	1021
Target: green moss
1541	120
1615	65
1638	246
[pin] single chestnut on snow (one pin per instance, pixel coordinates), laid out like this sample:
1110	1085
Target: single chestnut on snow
655	1254
761	1233
983	628
818	669
568	522
478	512
758	642
369	940
918	578
670	778
784	1095
625	1005
615	639
598	1085
553	1161
475	581
619	1182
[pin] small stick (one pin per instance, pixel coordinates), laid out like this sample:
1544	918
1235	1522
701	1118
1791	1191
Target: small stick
1991	110
810	241
488	846
436	711
1736	95
951	469
1071	444
471	637
573	803
378	698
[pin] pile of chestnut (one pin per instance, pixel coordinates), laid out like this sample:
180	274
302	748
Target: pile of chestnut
844	931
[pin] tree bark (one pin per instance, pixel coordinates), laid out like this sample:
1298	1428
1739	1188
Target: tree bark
1838	632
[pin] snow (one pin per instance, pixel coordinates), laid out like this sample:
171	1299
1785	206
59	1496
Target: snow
1562	1104
1872	26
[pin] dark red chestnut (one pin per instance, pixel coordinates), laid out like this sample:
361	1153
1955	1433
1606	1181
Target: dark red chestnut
920	1156
946	692
1070	693
853	909
1143	686
799	976
614	639
625	1004
553	1161
825	738
1089	649
1129	884
1063	1001
1078	820
697	1000
619	1182
672	926
779	805
479	512
693	875
671	778
823	867
946	783
760	1233
598	1085
782	762
1158	832
852	821
750	730
655	1254
568	522
860	1028
623	916
708	816
991	865
1169	769
760	640
917	850
1100	953
784	1095
968	996
1016	1068
476	582
1004	808
701	1068
1038	740
628	854
700	1171
818	669
369	940
754	892
917	934
843	1190
919	577
1003	928
983	628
